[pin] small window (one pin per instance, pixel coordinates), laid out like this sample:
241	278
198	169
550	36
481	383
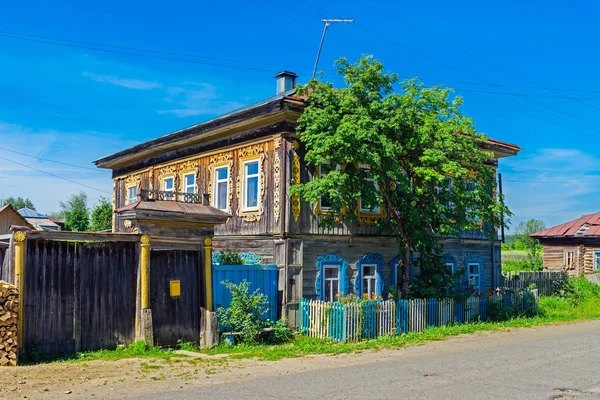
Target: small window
596	261
364	209
221	188
332	282
451	267
325	201
474	275
569	259
369	279
132	194
447	188
169	186
189	183
250	186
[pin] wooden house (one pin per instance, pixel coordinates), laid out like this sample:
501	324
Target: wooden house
244	163
9	217
573	246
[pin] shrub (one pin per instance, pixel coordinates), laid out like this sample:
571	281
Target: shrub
498	312
280	333
246	312
230	257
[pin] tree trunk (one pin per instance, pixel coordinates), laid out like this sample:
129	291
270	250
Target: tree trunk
405	279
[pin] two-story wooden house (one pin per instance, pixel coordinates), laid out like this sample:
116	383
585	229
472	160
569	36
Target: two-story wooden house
244	163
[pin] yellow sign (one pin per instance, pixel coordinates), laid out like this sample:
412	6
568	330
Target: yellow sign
175	287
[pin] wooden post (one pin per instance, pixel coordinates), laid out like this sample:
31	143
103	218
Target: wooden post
208	274
146	317
19	248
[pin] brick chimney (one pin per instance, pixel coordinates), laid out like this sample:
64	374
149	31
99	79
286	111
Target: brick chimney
286	80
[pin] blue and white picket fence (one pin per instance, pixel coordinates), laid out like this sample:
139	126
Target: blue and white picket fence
367	320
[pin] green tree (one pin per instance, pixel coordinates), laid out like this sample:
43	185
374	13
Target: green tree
413	153
18	203
534	249
75	213
102	216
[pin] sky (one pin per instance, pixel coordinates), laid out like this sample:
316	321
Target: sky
81	80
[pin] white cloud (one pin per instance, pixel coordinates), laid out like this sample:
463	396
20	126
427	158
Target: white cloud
124	82
555	185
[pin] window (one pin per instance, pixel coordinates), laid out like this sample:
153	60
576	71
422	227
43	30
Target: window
447	188
474	275
451	267
569	259
596	265
250	186
189	183
332	282
472	186
365	209
369	279
325	201
221	188
131	194
169	186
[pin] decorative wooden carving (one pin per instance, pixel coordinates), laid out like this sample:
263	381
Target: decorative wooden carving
132	181
295	181
186	168
277	180
251	153
369	258
331	259
219	160
167	171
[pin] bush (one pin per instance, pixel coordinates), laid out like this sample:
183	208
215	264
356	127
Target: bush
246	312
280	333
498	312
229	257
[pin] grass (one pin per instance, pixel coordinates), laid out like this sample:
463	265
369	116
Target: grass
579	300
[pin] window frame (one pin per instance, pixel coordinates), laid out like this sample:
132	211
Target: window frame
338	167
371	278
172	190
471	275
185	186
566	259
596	260
245	186
216	182
132	199
336	267
377	209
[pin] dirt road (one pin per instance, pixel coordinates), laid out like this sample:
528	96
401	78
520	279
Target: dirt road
561	362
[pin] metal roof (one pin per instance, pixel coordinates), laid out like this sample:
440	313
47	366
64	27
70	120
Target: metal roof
587	225
29	213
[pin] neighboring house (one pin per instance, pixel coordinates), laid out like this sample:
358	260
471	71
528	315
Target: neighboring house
10	217
573	246
57	221
244	163
41	222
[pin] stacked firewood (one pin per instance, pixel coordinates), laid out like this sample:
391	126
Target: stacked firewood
9	308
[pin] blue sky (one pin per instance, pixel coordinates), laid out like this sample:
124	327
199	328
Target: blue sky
527	72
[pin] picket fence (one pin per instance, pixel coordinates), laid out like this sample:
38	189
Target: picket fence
368	320
546	282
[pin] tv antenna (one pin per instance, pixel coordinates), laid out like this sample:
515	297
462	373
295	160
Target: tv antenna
327	23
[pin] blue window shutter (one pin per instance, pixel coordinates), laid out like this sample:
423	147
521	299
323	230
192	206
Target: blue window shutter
370	258
331	258
379	280
393	280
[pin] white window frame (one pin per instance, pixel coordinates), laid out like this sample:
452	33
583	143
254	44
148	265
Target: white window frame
130	198
372	285
185	184
164	186
451	266
478	274
596	259
377	209
338	167
216	183
325	279
566	259
245	185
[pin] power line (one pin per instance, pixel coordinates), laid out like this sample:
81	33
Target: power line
54	161
53	175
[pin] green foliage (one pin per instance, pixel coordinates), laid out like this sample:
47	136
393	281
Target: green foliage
75	213
281	333
230	257
246	312
436	280
18	203
410	143
509	266
102	216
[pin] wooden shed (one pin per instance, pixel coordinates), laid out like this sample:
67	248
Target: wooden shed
573	246
9	216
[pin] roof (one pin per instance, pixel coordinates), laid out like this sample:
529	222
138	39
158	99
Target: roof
55	220
167	209
585	226
42	224
501	149
9	208
29	213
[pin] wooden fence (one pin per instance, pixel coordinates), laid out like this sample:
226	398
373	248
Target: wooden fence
546	282
368	320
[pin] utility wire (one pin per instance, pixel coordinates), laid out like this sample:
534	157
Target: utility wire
54	161
53	175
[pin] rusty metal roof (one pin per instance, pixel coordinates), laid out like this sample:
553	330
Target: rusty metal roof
168	206
585	226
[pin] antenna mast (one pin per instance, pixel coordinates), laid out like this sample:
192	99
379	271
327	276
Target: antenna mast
327	23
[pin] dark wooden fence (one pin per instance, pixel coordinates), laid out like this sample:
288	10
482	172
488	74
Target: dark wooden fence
546	282
79	295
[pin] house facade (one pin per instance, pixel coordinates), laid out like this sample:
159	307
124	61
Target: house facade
573	246
243	164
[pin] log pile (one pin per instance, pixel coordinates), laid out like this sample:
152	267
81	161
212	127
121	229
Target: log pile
9	308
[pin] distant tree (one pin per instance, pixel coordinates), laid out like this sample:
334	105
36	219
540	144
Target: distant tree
18	203
102	216
75	213
524	241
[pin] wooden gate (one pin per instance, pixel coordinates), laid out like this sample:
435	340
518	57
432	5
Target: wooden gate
175	313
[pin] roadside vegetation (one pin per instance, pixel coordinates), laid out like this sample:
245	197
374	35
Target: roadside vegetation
521	252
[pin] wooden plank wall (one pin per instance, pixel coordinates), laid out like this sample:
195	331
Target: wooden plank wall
10	217
265	247
554	257
79	296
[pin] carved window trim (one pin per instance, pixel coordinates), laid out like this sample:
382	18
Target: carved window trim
216	161
473	259
130	182
369	259
277	180
247	154
331	260
370	217
295	180
189	167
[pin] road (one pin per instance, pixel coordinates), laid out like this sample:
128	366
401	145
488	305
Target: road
559	362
